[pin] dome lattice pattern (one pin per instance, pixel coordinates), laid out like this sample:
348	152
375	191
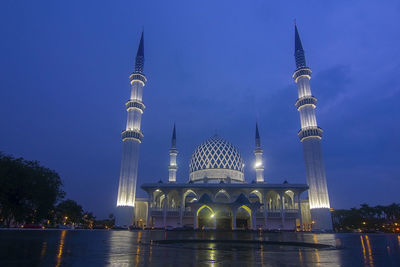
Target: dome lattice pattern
216	153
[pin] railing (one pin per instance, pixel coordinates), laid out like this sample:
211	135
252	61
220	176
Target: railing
132	134
174	209
173	213
188	214
259	214
223	214
291	211
131	104
306	100
311	131
288	213
162	209
156	213
274	214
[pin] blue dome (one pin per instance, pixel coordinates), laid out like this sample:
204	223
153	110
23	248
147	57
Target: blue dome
216	153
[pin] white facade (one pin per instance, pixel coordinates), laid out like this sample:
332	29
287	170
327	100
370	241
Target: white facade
218	202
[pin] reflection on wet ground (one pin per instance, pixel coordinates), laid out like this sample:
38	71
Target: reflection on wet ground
167	248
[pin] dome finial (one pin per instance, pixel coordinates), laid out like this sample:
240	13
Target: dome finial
215	133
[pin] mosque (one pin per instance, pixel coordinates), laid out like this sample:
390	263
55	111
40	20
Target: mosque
217	195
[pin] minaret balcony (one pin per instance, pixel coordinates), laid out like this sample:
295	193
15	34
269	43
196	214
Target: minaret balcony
303	72
172	167
138	77
309	132
258	150
306	100
134	104
132	135
173	151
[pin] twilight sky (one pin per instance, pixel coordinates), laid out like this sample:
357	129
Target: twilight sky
211	66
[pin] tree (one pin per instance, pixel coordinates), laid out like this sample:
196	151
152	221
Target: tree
68	211
106	223
88	219
28	191
392	212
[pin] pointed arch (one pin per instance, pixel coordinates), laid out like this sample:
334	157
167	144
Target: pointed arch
203	207
224	193
288	198
187	192
246	209
258	194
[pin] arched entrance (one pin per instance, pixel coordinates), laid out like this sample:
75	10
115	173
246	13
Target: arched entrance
243	217
205	217
223	219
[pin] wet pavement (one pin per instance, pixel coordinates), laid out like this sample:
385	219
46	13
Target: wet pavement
188	248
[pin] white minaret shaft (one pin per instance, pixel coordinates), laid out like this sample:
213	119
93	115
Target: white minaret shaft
259	164
131	139
310	135
173	152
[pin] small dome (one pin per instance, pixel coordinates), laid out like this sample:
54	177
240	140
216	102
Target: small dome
216	160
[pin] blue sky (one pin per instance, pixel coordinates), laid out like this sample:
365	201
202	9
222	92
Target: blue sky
211	66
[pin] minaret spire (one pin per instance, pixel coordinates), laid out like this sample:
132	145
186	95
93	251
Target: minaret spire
173	153
173	139
298	50
131	138
139	61
258	142
310	136
258	153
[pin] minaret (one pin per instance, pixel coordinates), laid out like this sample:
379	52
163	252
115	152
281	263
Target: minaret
173	152
131	139
259	165
310	135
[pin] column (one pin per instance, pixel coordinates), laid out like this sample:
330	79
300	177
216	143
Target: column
265	212
165	213
195	224
234	219
253	219
299	207
182	209
148	225
282	211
